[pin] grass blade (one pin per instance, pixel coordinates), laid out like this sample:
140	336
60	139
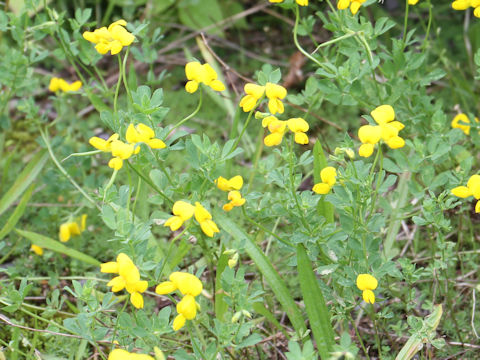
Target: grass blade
272	277
57	246
324	208
24	180
317	311
17	214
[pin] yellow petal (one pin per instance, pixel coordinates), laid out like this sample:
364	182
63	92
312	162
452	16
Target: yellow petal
273	139
179	322
369	134
187	307
217	85
36	249
461	192
109	267
321	188
343	4
64	233
119	354
137	300
174	222
117	283
297	125
366	282
183	209
384	113
156	144
368	296
301	138
191	86
254	90
165	287
328	175
115	163
366	150
201	214
396	142
275	91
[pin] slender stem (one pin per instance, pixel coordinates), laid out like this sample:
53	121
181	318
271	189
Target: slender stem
170	247
124	76
258	154
110	183
405	24
116	324
377	338
152	185
249	117
63	171
430	18
87	153
293	187
333	41
117	89
359	337
181	122
137	195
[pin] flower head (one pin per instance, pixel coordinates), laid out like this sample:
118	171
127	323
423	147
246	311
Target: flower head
142	133
460	121
112	39
412	2
101	144
234	183
189	286
204	218
328	176
197	73
182	211
354	5
235	198
367	283
275	93
119	354
253	93
37	249
472	189
57	84
72	228
128	278
299	2
386	130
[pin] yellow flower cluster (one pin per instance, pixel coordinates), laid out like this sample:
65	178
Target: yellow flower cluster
329	178
183	211
367	283
57	84
278	128
119	354
472	189
299	2
387	130
72	228
232	186
197	73
354	5
128	278
457	123
190	287
274	92
140	133
112	39
465	4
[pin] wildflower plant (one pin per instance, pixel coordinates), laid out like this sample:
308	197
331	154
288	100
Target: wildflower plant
235	206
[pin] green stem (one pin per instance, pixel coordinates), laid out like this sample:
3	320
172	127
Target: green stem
63	171
405	23
170	247
249	117
116	324
430	18
124	76
110	183
181	122
152	185
293	187
117	89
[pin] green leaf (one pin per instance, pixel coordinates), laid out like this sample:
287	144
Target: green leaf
317	311
24	180
47	243
17	214
272	277
324	208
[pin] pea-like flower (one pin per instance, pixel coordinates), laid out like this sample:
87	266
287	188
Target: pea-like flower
412	2
253	93
142	133
182	211
275	93
329	178
57	84
121	151
204	218
128	278
37	249
299	127
367	283
112	39
472	189
354	5
102	144
299	2
72	228
460	121
465	4
119	354
234	183
235	198
197	73
387	130
189	286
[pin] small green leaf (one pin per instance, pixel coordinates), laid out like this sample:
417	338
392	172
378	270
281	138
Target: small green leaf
17	214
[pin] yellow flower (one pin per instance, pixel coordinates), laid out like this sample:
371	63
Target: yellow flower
234	183
412	2
204	218
142	133
277	129
472	189
387	130
235	200
457	123
182	211
299	2
367	283
254	93
299	127
275	93
72	228
328	176
112	39
189	286
197	73
119	354
128	278
37	249
121	151
353	4
101	144
57	84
